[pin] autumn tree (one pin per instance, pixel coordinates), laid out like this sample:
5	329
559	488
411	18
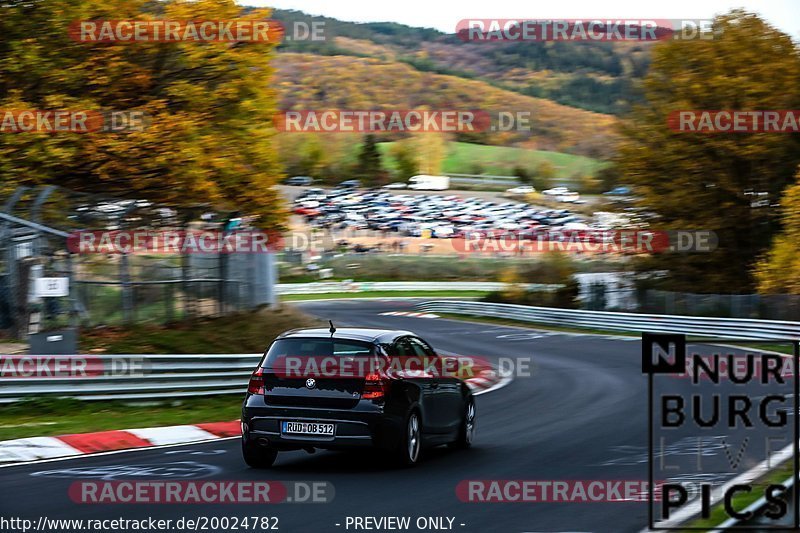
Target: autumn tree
431	151
589	183
405	159
323	156
703	181
368	167
208	135
544	176
778	272
522	174
609	177
301	154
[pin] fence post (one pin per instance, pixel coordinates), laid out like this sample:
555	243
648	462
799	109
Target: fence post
188	301
249	282
72	298
168	302
124	275
272	279
222	285
20	297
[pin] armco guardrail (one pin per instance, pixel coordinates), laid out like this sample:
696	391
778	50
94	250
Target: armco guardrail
323	287
736	328
162	376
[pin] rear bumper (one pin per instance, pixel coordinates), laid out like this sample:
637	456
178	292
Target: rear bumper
366	425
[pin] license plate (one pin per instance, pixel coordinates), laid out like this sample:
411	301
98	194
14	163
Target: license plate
307	428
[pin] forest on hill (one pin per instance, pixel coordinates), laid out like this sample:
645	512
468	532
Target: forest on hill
596	76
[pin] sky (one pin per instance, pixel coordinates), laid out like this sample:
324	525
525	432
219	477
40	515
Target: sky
444	14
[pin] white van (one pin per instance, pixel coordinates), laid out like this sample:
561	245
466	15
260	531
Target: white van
429	183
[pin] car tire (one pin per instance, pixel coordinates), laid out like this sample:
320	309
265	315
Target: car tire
467	431
410	449
258	456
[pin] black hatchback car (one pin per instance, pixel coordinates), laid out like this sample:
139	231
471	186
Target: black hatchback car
313	390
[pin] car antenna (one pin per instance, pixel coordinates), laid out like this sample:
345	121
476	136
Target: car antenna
333	328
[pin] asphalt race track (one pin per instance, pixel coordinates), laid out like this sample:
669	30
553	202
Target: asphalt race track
581	415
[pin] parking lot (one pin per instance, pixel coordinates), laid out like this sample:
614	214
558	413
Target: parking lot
440	216
374	220
444	215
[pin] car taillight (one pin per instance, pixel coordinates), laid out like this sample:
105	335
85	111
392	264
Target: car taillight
374	387
256	385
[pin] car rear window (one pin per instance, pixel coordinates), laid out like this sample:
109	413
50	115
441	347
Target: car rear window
315	348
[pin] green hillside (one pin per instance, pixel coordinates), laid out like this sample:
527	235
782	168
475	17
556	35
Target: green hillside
467	158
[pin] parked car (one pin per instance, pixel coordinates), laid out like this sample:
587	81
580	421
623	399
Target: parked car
619	191
443	232
520	191
395	185
429	183
301	181
392	409
350	184
556	191
562	194
570	198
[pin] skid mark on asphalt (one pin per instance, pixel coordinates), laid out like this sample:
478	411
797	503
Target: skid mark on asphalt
687	446
518	336
409	313
525	334
544	334
176	470
196	452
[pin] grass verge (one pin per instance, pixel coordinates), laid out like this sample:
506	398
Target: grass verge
744	499
45	417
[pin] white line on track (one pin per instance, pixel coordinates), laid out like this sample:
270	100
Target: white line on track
114	452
